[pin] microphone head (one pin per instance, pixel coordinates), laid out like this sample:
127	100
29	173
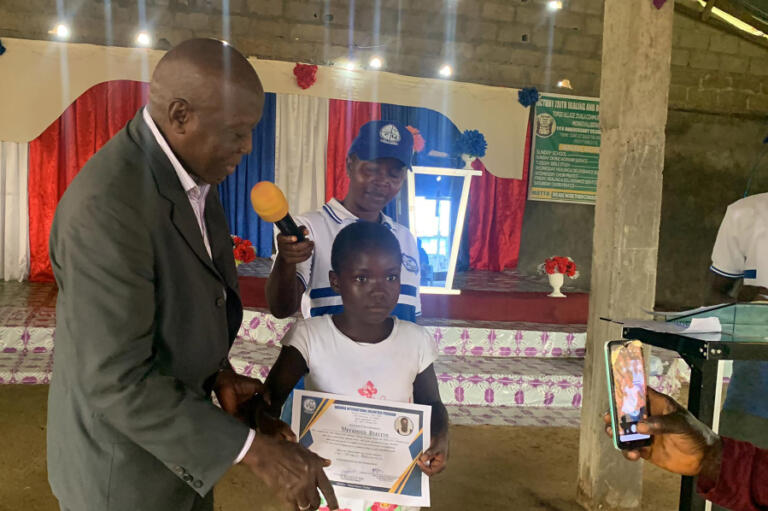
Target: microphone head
268	201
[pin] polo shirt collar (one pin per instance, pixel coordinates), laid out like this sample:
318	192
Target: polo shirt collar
339	214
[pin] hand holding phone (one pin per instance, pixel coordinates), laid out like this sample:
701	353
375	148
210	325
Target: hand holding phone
628	394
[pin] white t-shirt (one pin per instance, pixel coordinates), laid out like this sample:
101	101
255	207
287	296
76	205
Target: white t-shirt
323	225
741	248
339	365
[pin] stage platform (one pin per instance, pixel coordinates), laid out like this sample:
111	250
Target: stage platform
503	373
485	296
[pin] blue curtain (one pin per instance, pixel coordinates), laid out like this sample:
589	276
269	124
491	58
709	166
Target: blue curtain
235	191
440	135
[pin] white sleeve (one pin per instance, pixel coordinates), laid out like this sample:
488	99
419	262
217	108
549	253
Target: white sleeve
727	256
427	349
246	447
298	337
303	270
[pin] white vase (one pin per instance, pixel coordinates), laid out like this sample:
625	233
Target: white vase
556	281
468	161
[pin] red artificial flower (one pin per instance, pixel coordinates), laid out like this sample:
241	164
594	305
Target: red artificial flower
418	140
306	75
237	239
244	253
560	264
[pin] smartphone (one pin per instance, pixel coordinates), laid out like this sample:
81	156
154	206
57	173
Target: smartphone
627	390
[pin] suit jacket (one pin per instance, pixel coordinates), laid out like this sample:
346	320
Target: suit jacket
144	321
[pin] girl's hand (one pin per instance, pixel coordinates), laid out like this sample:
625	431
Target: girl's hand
271	426
435	459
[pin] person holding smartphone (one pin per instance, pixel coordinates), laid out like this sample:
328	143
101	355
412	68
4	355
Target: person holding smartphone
731	473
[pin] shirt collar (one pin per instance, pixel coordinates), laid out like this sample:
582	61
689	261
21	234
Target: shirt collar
339	214
186	180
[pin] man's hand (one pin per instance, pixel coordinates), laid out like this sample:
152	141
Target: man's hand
233	391
291	470
270	426
292	252
435	459
681	443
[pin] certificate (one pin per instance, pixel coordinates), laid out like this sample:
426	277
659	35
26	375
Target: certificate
373	445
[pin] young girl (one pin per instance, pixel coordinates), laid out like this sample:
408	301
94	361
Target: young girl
362	350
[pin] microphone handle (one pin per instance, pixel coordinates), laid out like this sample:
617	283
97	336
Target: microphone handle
289	228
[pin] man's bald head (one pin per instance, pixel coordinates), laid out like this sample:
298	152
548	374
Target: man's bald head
205	97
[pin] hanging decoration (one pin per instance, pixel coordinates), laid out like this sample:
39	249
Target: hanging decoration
418	140
528	96
659	3
473	143
306	75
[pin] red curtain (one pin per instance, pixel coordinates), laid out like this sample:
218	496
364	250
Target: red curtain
58	154
496	207
344	121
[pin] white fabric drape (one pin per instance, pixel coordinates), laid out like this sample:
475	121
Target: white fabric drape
14	211
301	141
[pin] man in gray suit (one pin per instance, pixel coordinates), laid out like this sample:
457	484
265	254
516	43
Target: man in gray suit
148	307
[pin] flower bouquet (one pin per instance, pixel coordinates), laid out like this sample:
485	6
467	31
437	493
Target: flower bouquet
243	250
556	268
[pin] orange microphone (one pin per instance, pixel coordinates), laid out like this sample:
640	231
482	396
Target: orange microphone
269	203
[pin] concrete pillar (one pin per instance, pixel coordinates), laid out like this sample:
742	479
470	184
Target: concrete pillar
637	49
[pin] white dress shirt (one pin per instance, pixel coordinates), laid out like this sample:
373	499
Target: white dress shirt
196	193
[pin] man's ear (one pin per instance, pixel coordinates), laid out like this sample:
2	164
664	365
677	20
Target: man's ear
179	115
334	280
349	165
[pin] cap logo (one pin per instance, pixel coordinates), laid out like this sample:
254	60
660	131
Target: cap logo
389	134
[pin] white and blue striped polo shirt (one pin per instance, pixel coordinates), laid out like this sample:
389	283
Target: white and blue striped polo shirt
324	224
741	247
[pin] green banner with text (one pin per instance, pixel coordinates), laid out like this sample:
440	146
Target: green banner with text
566	150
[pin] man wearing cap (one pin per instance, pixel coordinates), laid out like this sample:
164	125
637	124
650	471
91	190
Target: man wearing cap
377	162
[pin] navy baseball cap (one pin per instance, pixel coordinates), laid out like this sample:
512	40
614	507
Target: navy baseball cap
383	139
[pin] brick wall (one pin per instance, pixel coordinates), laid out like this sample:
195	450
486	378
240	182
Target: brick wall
501	43
715	71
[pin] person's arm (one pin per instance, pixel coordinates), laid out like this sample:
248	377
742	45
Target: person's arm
731	474
722	289
739	479
284	285
426	392
283	377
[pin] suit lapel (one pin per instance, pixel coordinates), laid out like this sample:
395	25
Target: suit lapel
169	186
221	246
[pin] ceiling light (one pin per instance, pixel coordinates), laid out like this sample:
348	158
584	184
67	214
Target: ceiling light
349	65
554	5
143	39
375	63
565	83
446	71
61	31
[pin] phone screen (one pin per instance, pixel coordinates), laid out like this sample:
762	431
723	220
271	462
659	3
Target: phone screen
629	389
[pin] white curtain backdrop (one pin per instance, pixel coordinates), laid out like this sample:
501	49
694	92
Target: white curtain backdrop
14	211
301	141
